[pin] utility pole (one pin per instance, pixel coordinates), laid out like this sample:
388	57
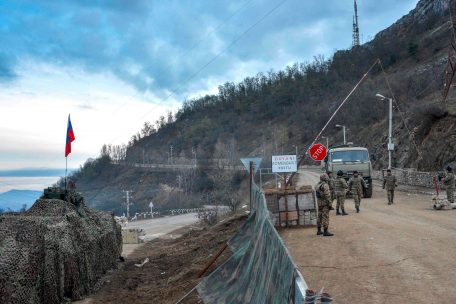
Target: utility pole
327	141
179	181
171	153
343	130
127	198
390	128
390	131
194	156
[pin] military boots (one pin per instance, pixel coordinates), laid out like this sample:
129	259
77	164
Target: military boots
337	211
327	233
343	212
319	231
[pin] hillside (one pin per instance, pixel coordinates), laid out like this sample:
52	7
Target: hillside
271	114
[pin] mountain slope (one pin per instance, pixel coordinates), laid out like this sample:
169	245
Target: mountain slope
272	114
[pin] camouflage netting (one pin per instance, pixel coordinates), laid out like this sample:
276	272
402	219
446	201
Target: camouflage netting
55	251
260	270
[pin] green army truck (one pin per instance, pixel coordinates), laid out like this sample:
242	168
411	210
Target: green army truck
350	159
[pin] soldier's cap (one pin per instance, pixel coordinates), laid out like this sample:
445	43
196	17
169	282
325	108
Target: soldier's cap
449	169
389	170
355	172
328	172
340	173
324	177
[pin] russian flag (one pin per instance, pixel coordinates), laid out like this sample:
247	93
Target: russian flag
69	137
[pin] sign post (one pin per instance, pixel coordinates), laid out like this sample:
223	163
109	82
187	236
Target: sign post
318	152
251	164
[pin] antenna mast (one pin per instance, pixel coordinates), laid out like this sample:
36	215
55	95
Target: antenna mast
355	41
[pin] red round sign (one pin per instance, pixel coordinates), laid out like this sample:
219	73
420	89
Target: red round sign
317	152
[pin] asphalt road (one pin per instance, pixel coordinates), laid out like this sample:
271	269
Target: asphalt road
402	253
158	227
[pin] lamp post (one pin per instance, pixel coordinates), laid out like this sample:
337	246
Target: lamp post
327	141
296	148
343	129
390	137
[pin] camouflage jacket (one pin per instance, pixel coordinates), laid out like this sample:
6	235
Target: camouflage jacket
340	186
448	180
325	199
389	181
331	184
356	184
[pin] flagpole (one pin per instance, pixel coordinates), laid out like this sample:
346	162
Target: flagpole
66	167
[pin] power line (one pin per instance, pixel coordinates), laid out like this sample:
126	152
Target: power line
214	58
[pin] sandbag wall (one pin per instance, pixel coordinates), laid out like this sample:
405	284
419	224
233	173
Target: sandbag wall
291	207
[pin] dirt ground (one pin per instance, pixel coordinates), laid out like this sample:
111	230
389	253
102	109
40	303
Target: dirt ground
400	253
172	270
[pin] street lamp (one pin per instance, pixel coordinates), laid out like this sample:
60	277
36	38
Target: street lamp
296	148
327	141
343	129
390	139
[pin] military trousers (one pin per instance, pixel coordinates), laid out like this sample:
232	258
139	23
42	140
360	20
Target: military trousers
340	202
333	197
323	216
390	196
357	198
450	194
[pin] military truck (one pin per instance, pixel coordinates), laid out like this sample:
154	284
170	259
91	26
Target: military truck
349	159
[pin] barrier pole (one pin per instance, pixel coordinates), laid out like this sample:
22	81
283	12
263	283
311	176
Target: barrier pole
251	182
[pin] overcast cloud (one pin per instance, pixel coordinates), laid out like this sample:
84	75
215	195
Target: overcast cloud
159	45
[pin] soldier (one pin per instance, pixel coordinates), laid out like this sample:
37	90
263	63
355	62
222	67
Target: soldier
324	201
331	182
340	188
448	181
75	198
356	186
390	182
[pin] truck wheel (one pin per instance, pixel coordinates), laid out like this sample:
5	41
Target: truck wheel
368	191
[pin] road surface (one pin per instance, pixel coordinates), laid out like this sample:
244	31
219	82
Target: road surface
402	253
158	227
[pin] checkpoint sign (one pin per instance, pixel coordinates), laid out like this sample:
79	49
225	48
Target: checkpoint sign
317	152
284	163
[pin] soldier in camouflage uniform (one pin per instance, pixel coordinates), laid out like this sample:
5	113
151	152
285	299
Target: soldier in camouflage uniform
324	201
75	198
356	185
331	182
448	181
340	188
389	181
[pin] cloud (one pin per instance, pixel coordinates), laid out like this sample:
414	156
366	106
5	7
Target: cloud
162	46
86	107
7	65
103	111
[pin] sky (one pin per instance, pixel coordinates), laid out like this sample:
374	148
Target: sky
115	64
